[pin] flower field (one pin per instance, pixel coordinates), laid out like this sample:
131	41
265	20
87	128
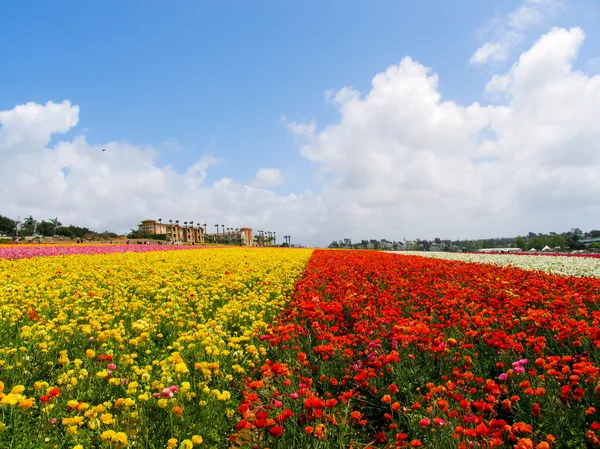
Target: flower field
268	348
133	350
26	251
381	350
569	265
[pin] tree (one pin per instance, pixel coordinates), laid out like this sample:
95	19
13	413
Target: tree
55	224
7	226
46	228
521	243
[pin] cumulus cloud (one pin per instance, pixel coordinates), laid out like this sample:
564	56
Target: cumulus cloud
400	161
116	188
268	177
507	33
403	159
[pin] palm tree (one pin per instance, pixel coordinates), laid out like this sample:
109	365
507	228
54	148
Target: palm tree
217	234
55	223
274	237
160	221
177	222
185	223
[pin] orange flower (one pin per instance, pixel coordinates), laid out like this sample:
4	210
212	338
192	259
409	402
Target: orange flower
524	443
177	411
521	427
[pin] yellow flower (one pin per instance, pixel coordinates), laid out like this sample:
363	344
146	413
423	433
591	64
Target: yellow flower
197	439
18	389
120	438
10	399
186	444
107	418
107	435
172	442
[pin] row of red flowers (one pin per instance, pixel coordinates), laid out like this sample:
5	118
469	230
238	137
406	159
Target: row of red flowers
381	350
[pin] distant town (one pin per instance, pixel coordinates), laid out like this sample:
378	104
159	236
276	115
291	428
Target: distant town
574	240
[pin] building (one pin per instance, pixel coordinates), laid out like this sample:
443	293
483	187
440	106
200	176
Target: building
231	236
174	231
590	241
197	234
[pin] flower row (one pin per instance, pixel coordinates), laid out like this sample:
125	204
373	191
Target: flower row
27	251
134	350
382	350
560	265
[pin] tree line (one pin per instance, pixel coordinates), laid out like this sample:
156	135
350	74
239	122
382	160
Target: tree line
51	227
570	240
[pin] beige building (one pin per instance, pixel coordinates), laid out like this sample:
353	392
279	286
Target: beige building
197	234
174	231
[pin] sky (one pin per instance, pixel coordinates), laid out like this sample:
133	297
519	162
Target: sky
319	120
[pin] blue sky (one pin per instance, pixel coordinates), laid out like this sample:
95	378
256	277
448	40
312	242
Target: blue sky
215	78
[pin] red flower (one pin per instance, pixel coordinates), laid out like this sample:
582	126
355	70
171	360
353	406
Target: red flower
54	392
276	431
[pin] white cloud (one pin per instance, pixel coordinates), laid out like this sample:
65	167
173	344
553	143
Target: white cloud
400	161
116	188
507	33
267	177
403	160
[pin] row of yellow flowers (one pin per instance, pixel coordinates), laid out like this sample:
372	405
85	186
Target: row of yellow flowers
134	350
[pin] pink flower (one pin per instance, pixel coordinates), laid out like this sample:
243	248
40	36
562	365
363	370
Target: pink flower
439	421
112	367
503	376
167	393
293	395
519	369
424	422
